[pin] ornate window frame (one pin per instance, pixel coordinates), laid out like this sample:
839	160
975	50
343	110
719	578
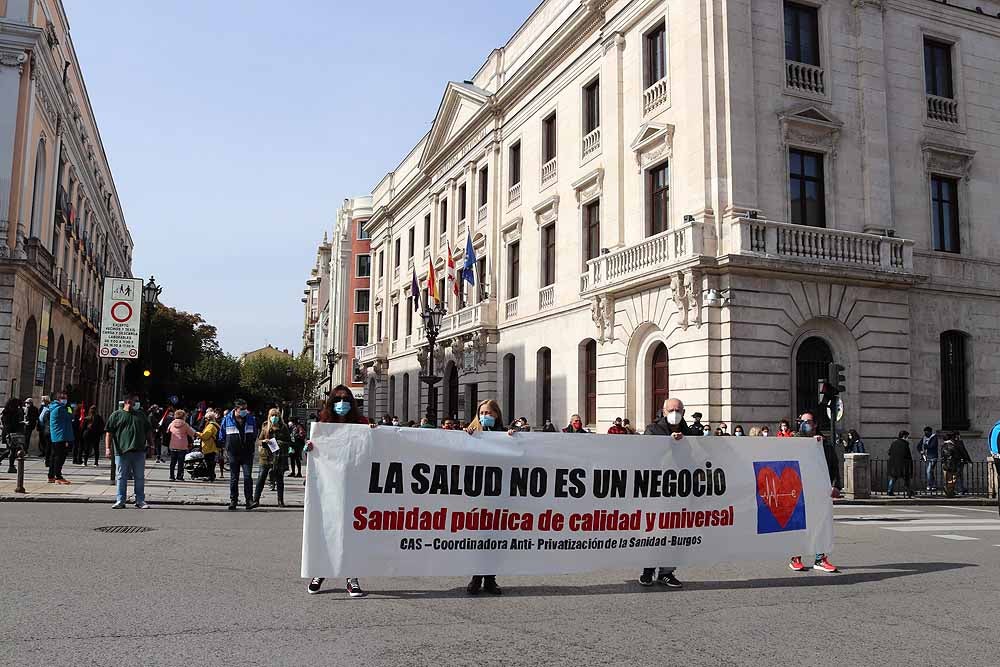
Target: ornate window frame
953	162
813	130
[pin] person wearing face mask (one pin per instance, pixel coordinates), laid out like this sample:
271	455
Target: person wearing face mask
696	424
277	460
708	430
738	430
209	437
575	425
341	408
129	430
765	432
807	429
61	432
783	430
671	424
239	429
488	418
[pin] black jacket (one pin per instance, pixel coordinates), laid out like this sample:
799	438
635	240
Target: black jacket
661	427
31	414
900	459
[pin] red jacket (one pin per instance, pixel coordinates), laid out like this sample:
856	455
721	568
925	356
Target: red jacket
784	434
617	430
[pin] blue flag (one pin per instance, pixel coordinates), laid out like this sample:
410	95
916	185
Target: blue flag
469	269
415	291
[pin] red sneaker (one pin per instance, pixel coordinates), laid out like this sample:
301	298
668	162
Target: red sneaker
824	565
796	564
63	481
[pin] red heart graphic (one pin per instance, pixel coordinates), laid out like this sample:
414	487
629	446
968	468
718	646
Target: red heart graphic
780	494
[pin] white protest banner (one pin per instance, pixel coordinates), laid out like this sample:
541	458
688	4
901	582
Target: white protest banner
120	318
419	502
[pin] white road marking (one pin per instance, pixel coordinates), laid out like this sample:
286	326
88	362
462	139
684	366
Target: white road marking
957	537
930	528
902	510
883	517
921	522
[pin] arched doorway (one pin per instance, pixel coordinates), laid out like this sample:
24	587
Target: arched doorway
812	363
29	350
659	379
451	390
57	384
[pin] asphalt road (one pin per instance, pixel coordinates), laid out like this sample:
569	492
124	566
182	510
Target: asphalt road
210	587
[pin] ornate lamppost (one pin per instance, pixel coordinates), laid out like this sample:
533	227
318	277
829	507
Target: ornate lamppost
432	317
150	297
332	357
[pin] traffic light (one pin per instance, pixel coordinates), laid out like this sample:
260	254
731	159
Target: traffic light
837	378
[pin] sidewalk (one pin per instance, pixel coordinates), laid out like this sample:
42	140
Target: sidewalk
90	484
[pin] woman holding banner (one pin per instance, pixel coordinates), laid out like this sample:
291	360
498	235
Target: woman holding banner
340	408
488	418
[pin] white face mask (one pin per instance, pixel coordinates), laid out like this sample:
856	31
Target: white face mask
674	417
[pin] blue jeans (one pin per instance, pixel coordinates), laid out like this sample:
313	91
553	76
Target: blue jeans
235	467
931	467
131	464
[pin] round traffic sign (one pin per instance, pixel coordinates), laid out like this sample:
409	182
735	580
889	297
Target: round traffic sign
121	311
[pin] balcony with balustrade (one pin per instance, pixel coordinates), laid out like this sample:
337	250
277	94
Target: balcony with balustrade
817	246
549	171
514	195
370	353
804	78
590	145
656	96
635	264
943	110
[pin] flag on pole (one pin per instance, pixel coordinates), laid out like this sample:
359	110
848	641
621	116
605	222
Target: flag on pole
452	282
415	291
432	290
469	270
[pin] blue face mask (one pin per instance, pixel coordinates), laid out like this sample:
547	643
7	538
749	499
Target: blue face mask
806	427
342	408
243	413
487	421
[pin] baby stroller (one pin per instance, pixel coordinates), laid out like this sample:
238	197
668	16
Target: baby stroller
194	463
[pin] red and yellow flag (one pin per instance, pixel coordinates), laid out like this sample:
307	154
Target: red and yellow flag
432	290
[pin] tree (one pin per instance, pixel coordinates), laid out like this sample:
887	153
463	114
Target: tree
191	340
278	380
215	379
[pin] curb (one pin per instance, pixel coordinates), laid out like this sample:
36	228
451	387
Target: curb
959	502
19	498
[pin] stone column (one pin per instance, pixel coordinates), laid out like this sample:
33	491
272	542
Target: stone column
857	476
613	142
876	172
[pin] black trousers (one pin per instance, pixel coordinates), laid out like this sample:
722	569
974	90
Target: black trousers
279	483
57	457
91	447
295	461
210	464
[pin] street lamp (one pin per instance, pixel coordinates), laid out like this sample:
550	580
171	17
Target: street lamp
150	295
432	317
332	357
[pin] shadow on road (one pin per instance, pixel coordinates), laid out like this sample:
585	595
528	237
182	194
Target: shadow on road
809	579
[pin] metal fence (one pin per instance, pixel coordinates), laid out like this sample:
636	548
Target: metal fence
974	479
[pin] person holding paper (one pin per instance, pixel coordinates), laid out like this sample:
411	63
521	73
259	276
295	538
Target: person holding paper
272	452
340	408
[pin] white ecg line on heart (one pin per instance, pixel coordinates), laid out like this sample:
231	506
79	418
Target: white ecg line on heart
770	494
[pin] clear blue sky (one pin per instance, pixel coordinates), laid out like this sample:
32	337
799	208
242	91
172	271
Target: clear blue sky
235	128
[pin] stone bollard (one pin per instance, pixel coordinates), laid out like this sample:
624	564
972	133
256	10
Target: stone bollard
992	463
857	476
20	472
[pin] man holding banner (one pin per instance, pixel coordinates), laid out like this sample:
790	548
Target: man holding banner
671	423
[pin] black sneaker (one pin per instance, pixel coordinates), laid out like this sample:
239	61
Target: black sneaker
314	585
252	506
669	580
646	579
475	585
232	506
354	588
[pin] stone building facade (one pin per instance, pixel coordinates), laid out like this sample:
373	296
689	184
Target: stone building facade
708	200
340	280
61	223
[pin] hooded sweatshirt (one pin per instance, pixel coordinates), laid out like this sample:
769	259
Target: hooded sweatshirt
179	431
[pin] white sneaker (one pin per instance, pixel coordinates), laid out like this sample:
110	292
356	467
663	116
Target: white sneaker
118	506
142	506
